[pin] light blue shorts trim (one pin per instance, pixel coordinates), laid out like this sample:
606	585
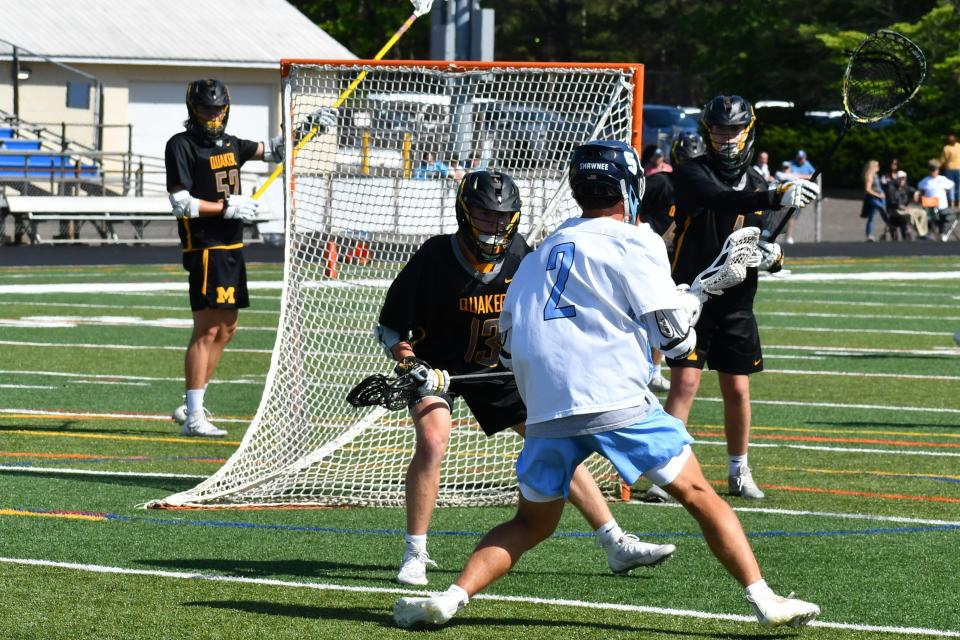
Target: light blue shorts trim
546	465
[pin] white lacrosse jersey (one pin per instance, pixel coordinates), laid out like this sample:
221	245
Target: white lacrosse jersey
571	318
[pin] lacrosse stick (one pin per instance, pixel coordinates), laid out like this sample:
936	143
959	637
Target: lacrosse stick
395	393
883	74
420	7
730	267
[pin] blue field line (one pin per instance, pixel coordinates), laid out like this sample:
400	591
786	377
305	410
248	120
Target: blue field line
476	534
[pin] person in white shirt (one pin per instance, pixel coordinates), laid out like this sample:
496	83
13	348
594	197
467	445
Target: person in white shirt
578	323
763	166
932	192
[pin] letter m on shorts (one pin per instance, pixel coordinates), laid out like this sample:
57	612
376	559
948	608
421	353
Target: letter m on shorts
225	294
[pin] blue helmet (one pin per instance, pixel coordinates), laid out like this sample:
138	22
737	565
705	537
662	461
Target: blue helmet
604	172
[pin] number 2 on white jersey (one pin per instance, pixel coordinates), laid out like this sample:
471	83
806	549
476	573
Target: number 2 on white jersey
559	260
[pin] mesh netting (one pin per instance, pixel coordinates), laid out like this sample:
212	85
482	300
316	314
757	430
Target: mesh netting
361	198
883	74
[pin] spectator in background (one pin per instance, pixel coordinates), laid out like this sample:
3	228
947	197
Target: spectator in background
784	174
801	167
456	171
430	167
932	191
657	163
874	200
950	165
475	164
899	196
891	174
763	167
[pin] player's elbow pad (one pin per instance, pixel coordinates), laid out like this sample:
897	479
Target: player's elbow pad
184	205
670	332
387	338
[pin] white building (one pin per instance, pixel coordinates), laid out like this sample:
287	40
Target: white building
144	52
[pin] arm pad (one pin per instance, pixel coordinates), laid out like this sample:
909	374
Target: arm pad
387	338
184	205
669	331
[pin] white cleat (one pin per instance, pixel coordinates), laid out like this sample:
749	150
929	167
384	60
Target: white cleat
659	383
438	609
777	611
629	553
741	484
655	494
413	567
180	413
198	425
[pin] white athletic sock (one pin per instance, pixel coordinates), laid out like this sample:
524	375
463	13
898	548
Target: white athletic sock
194	400
609	533
759	588
456	590
419	541
735	462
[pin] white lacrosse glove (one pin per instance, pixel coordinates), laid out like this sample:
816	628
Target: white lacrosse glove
323	118
243	208
797	193
273	150
433	382
692	303
770	256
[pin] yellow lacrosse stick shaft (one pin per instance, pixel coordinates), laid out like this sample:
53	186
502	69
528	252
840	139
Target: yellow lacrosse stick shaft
343	97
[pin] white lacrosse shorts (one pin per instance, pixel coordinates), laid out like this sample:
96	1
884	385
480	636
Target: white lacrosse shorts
657	447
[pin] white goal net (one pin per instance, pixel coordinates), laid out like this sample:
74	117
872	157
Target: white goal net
360	199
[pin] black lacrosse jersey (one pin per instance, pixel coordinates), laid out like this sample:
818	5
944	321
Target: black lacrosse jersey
450	311
708	210
657	206
209	170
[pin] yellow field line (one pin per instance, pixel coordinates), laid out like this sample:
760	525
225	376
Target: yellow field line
100	436
847	472
66	516
902	434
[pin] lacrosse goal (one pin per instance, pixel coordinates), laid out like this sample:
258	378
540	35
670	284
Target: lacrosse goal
360	199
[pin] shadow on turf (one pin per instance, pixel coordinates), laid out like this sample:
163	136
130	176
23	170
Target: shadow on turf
384	618
71	427
274	568
167	485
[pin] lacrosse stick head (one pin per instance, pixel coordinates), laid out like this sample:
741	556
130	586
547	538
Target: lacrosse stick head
380	391
884	73
730	267
421	7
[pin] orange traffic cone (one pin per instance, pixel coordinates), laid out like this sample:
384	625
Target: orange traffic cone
361	252
330	260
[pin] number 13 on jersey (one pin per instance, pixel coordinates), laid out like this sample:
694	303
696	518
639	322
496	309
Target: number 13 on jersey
559	262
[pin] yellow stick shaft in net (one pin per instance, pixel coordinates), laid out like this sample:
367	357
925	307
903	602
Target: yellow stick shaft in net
343	97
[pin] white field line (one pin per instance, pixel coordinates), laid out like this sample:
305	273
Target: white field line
910	332
26	386
873	275
70	322
856	374
88	472
130	347
249	379
788	356
580	604
810	447
87	414
837	405
113	383
855	316
843	351
126	307
859	303
120	287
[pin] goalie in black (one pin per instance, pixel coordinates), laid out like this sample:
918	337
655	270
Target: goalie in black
443	309
203	179
717	194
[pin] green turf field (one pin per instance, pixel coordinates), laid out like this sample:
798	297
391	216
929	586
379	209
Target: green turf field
855	441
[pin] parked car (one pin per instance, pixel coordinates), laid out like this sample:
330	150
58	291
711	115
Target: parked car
662	123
